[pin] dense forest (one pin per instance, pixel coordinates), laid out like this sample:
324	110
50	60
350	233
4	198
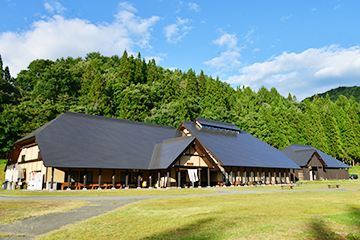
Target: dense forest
335	93
130	88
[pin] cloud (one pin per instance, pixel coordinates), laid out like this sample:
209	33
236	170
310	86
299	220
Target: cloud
304	74
55	37
194	7
284	18
54	7
229	40
174	33
227	60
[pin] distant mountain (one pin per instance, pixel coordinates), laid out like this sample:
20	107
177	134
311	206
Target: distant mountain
334	94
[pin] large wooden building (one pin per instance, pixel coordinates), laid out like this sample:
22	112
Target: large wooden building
85	151
315	164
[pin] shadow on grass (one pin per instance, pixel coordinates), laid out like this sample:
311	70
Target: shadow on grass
200	229
320	230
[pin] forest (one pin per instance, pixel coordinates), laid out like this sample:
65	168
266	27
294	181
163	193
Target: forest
128	87
337	92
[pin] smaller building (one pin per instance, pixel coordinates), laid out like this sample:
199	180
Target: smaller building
315	164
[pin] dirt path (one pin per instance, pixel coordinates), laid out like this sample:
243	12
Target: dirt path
31	228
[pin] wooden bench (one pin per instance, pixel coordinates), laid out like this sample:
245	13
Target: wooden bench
287	186
333	185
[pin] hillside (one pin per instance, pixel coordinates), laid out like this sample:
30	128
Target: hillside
129	88
334	94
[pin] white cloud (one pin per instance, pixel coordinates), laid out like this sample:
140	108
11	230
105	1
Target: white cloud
55	37
229	40
158	58
54	7
194	7
176	32
284	18
304	74
227	60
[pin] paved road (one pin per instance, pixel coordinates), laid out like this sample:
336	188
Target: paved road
31	228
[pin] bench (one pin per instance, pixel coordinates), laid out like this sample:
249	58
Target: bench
333	185
287	186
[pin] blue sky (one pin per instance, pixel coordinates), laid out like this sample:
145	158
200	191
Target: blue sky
302	47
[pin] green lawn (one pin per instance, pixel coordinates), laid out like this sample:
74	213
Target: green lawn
119	192
14	210
2	173
285	215
354	170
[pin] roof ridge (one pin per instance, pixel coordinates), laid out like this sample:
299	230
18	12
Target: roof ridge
116	119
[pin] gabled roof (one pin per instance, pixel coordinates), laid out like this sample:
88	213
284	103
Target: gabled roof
75	140
217	124
240	149
301	155
168	151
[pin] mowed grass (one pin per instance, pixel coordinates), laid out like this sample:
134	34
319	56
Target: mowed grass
14	210
118	192
287	215
354	170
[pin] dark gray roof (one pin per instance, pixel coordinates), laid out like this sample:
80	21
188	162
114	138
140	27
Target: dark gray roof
32	134
168	151
301	155
240	149
75	140
213	123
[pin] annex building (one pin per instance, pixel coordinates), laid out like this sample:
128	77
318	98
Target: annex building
315	164
80	151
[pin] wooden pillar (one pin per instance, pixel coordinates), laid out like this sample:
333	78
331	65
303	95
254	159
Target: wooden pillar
179	178
85	176
231	177
69	179
99	188
150	180
127	180
239	177
208	177
274	176
168	180
158	186
139	181
52	179
258	175
113	180
199	186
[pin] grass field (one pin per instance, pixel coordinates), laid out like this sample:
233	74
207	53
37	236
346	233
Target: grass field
287	215
354	170
119	192
14	210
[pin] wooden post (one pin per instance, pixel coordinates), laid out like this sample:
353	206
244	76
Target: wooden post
69	179
199	186
158	185
275	175
52	179
139	181
179	178
84	188
168	180
127	180
99	188
113	180
258	175
150	180
208	177
239	178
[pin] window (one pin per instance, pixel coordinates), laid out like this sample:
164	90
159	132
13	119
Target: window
22	158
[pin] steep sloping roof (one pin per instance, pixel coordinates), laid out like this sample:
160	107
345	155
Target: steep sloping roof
218	124
75	140
301	155
240	149
169	150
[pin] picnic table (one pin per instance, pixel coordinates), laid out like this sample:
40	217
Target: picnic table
333	185
287	186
